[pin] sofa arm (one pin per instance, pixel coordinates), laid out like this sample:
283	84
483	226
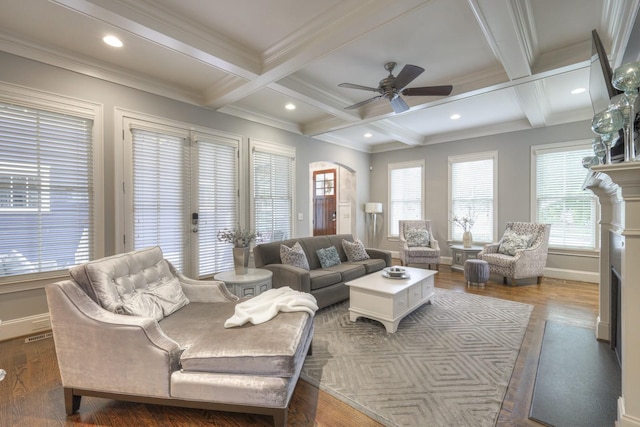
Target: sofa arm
205	290
380	254
287	275
108	352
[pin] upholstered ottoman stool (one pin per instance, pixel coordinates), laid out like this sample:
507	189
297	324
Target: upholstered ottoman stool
476	272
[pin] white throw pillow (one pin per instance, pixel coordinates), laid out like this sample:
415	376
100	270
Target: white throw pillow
294	256
512	241
417	237
355	250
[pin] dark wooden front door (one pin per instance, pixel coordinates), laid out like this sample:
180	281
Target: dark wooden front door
324	202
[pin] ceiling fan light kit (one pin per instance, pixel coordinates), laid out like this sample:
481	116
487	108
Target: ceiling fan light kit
391	87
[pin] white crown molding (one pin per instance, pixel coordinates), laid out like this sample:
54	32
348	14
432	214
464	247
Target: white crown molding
260	118
56	57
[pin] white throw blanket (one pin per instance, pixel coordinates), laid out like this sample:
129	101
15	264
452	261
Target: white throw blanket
266	306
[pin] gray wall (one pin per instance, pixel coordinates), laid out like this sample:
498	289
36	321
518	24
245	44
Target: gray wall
31	74
514	190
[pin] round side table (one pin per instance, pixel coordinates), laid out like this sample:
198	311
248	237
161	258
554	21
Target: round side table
256	281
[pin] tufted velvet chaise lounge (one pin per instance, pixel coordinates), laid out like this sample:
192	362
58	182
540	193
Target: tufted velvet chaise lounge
177	354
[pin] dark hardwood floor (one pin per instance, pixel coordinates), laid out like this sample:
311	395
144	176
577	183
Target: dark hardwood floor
31	394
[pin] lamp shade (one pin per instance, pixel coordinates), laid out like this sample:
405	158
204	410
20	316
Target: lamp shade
373	207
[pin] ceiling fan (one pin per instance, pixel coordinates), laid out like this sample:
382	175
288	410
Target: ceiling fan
392	87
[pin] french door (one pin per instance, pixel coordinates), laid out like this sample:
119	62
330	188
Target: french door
180	189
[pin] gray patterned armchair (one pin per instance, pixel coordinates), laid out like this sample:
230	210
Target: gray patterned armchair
520	253
414	248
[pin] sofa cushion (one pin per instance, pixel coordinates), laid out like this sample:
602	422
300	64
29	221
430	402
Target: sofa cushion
512	241
355	251
328	256
294	256
372	265
321	278
311	246
417	237
248	350
349	271
138	282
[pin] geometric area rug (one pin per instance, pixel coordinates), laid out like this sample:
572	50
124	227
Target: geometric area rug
448	364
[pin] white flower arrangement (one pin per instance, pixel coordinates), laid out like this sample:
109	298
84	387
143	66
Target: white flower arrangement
238	236
465	222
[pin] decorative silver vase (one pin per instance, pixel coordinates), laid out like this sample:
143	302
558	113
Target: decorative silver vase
241	260
467	239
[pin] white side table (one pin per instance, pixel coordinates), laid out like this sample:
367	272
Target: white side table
459	254
255	282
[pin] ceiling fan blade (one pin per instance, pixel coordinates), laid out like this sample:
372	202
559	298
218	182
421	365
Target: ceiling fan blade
406	76
428	91
354	86
360	104
398	105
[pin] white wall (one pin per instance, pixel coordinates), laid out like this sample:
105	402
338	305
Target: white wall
514	165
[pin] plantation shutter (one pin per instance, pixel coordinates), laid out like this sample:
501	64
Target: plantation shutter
272	193
560	200
46	190
472	195
218	202
160	192
405	198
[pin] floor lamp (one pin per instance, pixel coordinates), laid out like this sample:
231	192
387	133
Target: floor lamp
373	209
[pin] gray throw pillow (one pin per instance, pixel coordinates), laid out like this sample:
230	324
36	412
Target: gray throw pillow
294	256
157	300
417	237
328	257
355	250
511	242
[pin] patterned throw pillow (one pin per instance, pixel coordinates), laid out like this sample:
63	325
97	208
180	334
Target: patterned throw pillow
417	237
328	257
355	250
294	256
511	242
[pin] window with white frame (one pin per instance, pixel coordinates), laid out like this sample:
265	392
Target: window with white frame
182	190
272	170
558	197
473	194
406	192
48	173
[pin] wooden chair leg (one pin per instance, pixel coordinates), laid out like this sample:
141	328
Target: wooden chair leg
71	401
540	280
504	280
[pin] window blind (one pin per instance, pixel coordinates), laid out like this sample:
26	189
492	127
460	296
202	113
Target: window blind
160	192
405	196
472	193
560	200
218	203
46	190
272	195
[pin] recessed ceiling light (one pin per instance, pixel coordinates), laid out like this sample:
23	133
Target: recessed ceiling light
368	135
112	41
455	116
290	106
578	90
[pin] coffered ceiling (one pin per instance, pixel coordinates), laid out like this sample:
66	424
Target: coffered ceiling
512	63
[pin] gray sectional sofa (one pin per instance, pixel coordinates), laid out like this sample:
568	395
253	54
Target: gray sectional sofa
326	284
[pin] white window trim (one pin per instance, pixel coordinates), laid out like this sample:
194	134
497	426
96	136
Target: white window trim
281	150
470	158
405	165
34	98
558	147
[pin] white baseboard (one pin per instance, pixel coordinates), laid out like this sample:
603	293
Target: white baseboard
624	419
15	328
603	330
579	276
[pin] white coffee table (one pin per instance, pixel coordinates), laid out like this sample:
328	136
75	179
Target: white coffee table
389	300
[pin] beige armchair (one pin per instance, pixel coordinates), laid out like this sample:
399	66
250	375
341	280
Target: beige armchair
520	253
417	247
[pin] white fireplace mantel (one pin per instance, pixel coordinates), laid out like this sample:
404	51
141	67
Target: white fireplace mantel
618	189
